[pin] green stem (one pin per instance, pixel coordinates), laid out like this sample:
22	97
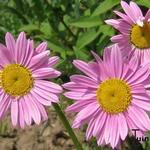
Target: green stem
67	126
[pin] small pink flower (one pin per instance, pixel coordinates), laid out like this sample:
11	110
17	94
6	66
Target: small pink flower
134	31
110	97
24	85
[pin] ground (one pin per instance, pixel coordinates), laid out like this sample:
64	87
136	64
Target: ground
50	135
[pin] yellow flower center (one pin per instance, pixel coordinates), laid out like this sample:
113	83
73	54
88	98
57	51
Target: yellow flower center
16	80
114	96
140	36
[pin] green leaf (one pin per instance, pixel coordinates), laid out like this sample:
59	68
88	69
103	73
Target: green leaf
29	28
86	38
102	43
17	13
57	48
107	30
105	6
145	3
86	22
81	54
46	29
38	9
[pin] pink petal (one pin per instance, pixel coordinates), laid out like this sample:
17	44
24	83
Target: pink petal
87	112
33	109
142	104
124	28
78	124
21	114
84	67
6	55
121	25
136	89
113	22
132	125
38	60
10	43
146	57
27	115
89	129
44	73
117	38
122	126
128	11
141	96
127	72
4	104
124	17
20	48
115	134
94	66
76	87
29	53
42	111
138	77
46	95
101	119
107	129
106	71
42	47
134	63
103	75
84	80
139	117
100	139
137	10
116	58
107	54
14	112
53	60
80	96
40	98
147	16
49	86
98	59
78	106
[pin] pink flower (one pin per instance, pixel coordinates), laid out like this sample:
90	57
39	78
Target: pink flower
134	31
110	97
24	85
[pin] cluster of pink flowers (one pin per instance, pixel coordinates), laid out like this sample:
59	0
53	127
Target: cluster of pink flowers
112	95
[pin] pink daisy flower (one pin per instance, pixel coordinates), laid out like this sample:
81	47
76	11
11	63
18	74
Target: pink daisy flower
24	89
110	97
134	31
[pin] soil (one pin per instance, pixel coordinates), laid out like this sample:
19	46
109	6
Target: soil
50	135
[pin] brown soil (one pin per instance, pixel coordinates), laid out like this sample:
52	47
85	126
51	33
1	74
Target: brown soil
50	135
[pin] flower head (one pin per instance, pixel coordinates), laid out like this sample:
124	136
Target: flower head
24	71
134	31
111	97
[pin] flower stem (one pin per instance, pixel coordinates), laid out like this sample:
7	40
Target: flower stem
67	126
